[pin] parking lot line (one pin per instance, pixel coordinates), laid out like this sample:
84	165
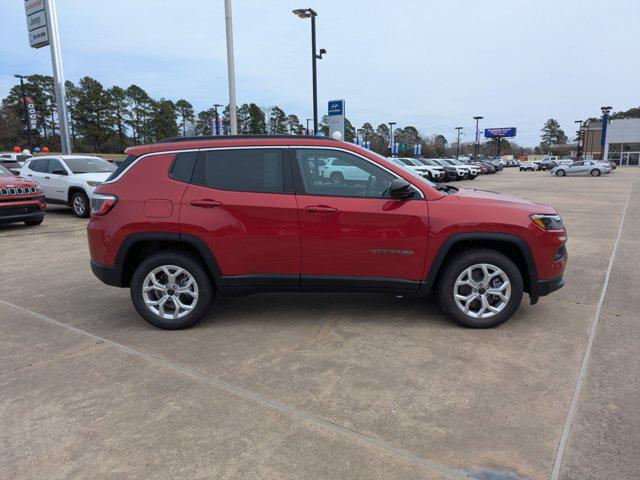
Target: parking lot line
252	395
566	430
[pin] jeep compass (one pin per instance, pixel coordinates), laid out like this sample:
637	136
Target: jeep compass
186	219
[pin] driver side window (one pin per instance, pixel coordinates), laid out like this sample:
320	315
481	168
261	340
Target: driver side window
333	173
55	165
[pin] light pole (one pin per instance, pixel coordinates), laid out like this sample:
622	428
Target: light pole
233	117
215	117
458	150
391	124
27	126
308	120
310	13
477	144
605	122
578	153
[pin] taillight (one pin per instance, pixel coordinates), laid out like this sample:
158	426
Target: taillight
101	203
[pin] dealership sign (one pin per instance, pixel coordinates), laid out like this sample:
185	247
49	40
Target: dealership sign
500	132
37	23
31	114
336	117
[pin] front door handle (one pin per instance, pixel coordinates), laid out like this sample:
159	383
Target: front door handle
320	209
29	175
48	178
205	203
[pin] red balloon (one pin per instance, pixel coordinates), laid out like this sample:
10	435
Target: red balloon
45	149
17	149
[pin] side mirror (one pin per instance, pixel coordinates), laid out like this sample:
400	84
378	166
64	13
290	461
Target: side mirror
59	171
400	189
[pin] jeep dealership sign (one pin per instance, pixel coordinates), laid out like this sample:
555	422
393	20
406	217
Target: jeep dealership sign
37	23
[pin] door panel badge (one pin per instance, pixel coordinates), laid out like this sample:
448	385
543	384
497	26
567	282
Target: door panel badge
383	251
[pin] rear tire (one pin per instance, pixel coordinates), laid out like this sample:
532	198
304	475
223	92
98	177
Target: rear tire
80	205
158	304
498	287
337	178
595	172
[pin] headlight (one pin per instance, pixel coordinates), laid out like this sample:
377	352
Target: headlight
91	183
548	222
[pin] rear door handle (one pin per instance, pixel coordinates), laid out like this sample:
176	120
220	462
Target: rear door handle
48	178
205	203
320	209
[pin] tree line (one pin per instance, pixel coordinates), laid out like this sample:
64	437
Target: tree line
108	120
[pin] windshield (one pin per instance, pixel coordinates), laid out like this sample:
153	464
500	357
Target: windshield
89	165
5	172
407	162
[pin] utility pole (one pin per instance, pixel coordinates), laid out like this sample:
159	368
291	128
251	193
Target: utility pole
578	152
391	143
458	150
605	123
233	116
477	144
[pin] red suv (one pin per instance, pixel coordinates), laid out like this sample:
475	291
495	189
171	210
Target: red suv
186	218
21	200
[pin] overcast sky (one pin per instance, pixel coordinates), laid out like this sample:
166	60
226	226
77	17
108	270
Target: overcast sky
428	63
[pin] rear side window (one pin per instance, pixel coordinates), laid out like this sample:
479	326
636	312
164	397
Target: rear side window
182	166
41	165
250	170
122	167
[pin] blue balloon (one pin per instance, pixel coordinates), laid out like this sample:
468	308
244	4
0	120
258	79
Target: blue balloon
37	149
320	134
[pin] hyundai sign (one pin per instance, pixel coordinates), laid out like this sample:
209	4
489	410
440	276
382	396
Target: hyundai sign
336	117
499	132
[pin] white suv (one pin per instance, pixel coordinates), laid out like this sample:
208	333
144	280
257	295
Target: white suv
68	179
435	174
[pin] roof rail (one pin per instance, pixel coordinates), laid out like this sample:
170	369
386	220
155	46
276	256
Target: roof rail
231	137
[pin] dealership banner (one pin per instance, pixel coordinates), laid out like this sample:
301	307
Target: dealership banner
500	132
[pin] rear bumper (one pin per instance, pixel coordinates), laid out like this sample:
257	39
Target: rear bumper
544	287
111	275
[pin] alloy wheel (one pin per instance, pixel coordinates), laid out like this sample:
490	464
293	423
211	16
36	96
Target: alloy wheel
482	290
170	292
79	205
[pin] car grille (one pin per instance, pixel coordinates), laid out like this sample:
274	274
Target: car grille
10	210
12	191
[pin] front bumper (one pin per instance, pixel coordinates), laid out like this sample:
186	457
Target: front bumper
22	217
542	288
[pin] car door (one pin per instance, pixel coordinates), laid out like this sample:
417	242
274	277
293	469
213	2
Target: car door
56	181
354	234
241	204
576	168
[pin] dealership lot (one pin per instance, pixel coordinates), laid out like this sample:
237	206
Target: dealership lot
326	385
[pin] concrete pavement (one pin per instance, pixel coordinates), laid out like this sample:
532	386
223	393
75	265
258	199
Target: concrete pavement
325	385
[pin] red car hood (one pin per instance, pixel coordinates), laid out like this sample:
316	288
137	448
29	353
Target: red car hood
15	182
484	196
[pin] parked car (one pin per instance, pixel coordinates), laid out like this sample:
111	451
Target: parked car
21	200
587	167
462	173
528	166
474	170
68	179
433	172
14	161
450	173
490	168
544	165
187	218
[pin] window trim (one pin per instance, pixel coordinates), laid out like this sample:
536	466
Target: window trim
299	185
287	181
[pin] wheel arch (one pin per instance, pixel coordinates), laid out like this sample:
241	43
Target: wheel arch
513	246
140	245
74	189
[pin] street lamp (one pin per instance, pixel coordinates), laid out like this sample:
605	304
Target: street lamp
578	152
215	117
458	150
477	145
605	122
310	13
26	109
391	124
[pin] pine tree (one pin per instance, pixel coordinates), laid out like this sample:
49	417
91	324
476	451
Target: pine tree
140	105
120	111
187	116
277	121
94	121
293	124
552	134
163	123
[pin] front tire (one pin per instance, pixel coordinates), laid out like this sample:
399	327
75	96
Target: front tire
480	288
561	173
80	204
595	172
171	290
